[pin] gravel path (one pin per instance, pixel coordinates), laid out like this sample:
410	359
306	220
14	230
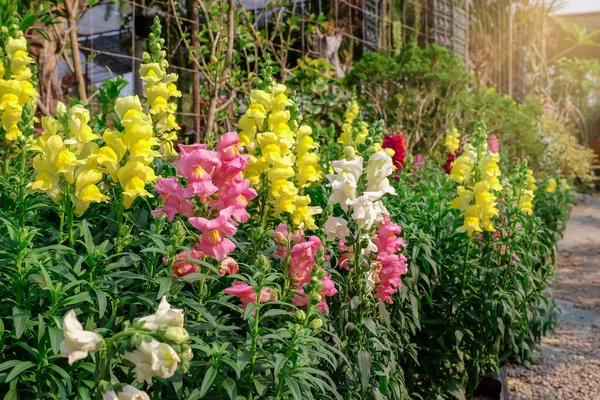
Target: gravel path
570	358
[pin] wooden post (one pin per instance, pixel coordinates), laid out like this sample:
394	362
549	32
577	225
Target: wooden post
467	28
196	77
72	7
510	48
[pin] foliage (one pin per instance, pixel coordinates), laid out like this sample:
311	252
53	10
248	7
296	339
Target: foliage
289	263
420	91
574	85
564	153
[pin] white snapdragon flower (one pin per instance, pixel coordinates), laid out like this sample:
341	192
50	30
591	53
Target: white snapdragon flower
112	395
368	209
164	317
345	181
337	228
153	359
78	342
379	167
131	393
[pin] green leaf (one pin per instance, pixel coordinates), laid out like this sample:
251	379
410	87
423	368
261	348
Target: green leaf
292	385
230	387
8	364
43	33
209	378
280	360
458	335
370	325
28	20
101	298
20	319
18	369
250	310
275	312
41	328
261	385
455	389
56	336
165	285
364	368
12	393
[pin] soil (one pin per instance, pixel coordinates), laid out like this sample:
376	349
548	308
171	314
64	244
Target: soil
570	357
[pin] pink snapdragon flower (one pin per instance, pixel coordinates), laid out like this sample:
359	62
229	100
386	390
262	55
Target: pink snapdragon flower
282	236
236	196
229	153
229	266
302	260
345	255
386	239
198	165
173	199
212	240
215	179
185	266
419	161
328	290
493	143
245	293
392	265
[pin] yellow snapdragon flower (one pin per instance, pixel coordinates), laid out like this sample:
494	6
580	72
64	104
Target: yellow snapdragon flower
477	172
350	135
452	141
307	162
15	88
68	155
527	194
551	187
281	153
137	142
160	88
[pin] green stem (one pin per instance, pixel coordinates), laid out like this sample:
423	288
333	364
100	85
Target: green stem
263	203
69	217
119	227
286	273
61	226
254	342
464	271
21	198
7	163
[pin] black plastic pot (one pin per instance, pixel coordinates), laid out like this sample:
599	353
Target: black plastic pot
493	385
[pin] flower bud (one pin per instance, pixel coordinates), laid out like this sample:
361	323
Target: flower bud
178	233
349	153
61	109
298	236
316	323
177	335
369	151
263	262
315	298
300	315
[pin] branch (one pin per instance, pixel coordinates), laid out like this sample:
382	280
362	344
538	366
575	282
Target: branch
187	45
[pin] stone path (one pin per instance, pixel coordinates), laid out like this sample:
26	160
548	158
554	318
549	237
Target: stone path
570	358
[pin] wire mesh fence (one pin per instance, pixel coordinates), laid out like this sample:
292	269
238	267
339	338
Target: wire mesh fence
493	38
